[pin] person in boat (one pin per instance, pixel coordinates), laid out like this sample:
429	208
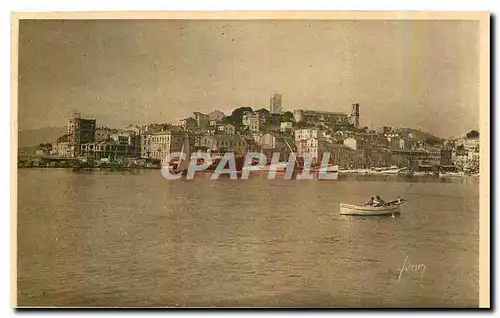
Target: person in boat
370	202
378	201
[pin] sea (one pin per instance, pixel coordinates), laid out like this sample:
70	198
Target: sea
135	239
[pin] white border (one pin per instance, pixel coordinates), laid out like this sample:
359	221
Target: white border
199	5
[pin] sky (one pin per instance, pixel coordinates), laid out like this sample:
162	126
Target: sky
419	74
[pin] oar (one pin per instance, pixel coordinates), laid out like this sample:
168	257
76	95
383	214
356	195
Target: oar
395	201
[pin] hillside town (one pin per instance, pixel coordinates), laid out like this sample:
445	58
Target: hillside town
268	130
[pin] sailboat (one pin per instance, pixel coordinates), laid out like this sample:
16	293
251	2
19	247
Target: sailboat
299	166
183	162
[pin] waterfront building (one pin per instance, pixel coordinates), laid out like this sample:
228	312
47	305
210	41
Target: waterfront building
470	144
408	158
368	154
377	156
434	156
146	145
460	158
473	161
446	157
129	138
63	147
343	156
166	142
111	150
81	131
429	156
158	144
465	160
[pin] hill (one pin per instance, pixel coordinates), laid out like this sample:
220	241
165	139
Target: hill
33	137
418	134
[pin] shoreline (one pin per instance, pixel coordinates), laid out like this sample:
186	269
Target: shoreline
340	173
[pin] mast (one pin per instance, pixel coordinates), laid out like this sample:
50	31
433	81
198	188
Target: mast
291	151
183	164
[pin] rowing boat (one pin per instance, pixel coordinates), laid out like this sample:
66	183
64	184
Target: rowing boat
366	210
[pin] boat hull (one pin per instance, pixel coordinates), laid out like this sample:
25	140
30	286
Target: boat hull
349	209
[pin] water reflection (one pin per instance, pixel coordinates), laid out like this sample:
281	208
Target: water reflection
115	239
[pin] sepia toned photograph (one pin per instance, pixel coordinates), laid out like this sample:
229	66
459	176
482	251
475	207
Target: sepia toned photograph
251	159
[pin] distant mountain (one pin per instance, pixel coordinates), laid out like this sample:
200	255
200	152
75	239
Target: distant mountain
26	151
33	137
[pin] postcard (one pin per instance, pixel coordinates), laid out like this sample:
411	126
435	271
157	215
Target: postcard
251	159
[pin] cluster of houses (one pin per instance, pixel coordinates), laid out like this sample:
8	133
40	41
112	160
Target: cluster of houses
304	132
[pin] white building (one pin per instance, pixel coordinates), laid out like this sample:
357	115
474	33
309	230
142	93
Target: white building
470	144
227	129
301	134
351	143
286	126
460	159
63	149
159	144
252	121
473	159
307	143
265	140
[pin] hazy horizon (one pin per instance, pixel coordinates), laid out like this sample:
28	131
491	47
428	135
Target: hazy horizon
419	74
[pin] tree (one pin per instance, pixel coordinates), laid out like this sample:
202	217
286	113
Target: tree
473	134
238	113
45	145
288	116
236	116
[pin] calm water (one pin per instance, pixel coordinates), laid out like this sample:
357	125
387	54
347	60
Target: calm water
121	239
